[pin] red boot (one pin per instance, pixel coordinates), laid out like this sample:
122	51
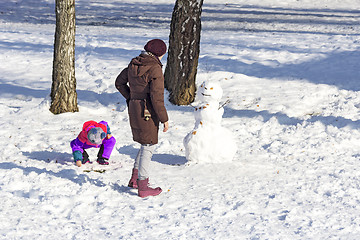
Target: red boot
145	191
134	177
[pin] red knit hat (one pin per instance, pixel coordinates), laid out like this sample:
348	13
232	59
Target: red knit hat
156	47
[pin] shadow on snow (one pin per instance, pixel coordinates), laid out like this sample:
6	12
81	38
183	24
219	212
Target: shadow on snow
167	159
50	156
149	15
68	174
341	69
283	119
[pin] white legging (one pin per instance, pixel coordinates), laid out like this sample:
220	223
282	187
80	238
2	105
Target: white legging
143	159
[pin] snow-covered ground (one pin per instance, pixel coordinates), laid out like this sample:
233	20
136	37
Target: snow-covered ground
291	70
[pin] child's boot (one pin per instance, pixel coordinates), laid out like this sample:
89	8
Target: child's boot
102	161
144	190
85	158
133	180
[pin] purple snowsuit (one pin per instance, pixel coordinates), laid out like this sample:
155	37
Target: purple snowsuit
106	146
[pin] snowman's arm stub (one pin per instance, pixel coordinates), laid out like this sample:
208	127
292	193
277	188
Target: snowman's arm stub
223	105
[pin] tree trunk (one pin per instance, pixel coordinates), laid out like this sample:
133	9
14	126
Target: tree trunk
63	89
184	49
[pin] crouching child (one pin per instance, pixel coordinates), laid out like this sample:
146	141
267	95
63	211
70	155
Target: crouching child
93	135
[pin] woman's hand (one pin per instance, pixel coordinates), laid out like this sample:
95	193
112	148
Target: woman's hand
166	126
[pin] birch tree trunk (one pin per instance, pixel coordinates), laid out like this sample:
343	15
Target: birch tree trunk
184	50
63	89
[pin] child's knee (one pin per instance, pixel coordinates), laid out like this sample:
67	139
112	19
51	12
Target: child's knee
72	143
111	141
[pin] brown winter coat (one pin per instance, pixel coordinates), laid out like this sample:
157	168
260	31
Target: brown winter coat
144	91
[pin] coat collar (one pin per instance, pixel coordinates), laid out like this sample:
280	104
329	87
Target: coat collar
153	56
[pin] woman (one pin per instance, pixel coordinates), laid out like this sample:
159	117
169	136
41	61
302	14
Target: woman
142	85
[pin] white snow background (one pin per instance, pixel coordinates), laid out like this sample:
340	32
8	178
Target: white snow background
291	71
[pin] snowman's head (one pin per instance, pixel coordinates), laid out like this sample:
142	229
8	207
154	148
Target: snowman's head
209	91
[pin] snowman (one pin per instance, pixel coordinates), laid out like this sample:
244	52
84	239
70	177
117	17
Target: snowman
209	141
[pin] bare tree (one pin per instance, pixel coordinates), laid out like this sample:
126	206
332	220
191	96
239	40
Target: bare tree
63	89
184	49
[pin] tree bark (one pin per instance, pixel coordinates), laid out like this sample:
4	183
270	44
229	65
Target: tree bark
184	50
63	89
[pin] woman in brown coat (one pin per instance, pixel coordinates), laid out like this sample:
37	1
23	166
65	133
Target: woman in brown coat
142	85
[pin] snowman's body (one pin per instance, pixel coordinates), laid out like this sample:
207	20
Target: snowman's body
209	141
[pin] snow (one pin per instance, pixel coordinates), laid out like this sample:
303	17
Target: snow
291	71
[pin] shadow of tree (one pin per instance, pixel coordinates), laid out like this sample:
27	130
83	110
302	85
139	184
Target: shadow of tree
163	158
284	119
9	91
280	19
114	14
329	70
68	174
47	156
